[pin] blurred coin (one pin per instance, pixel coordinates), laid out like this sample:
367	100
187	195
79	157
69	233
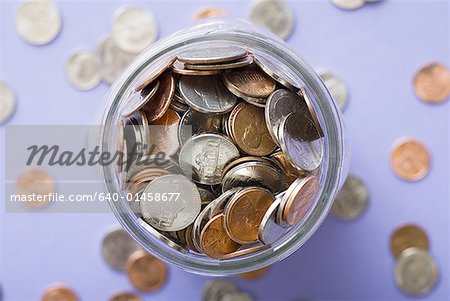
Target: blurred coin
216	289
212	55
352	200
348	4
38	22
275	71
209	12
274	15
194	122
58	292
416	272
117	246
410	160
337	88
35	181
179	68
164	133
214	239
237	296
159	104
83	70
134	29
125	296
432	83
269	230
254	274
145	272
222	66
408	236
7	102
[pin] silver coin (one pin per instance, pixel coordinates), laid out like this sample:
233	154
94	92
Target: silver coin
194	122
348	4
275	15
179	68
312	111
301	142
274	70
206	94
416	272
337	88
206	196
179	107
281	103
269	231
124	168
7	102
212	54
254	174
351	200
113	61
161	236
170	203
139	99
134	29
38	22
83	70
204	156
152	73
117	246
217	289
237	296
223	66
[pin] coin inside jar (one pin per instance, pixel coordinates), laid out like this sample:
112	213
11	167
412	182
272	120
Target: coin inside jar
160	102
145	272
269	230
194	122
214	239
212	55
164	133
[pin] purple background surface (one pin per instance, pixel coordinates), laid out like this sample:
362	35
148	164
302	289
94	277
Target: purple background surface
376	49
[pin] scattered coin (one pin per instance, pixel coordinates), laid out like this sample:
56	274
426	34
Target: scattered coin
408	236
256	274
145	272
214	239
83	70
337	88
274	15
38	22
217	289
125	296
212	55
117	247
410	160
36	181
432	83
348	4
58	292
209	12
7	102
237	296
352	200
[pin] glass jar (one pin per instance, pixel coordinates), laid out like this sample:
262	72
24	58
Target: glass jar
333	168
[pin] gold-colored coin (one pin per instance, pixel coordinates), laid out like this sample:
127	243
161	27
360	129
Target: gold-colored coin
249	130
432	83
125	296
214	239
251	82
410	160
244	213
145	272
408	236
37	182
254	274
59	292
209	12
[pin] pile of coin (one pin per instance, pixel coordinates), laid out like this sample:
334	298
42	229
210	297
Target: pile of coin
242	145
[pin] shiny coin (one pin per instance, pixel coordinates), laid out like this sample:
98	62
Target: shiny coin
38	22
117	246
134	29
159	103
59	292
214	240
206	94
179	68
150	75
203	157
170	203
240	160
179	107
352	200
432	83
301	141
145	272
35	181
246	251
237	296
408	236
83	70
249	130
209	12
212	55
138	100
216	289
194	122
164	133
410	160
269	230
291	172
298	201
223	66
256	274
275	71
244	212
348	4
416	272
7	102
274	15
125	296
312	111
337	88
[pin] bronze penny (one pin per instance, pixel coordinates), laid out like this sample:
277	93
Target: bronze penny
214	239
244	213
432	83
209	12
408	236
125	296
158	105
291	172
35	181
190	239
251	82
145	272
254	274
179	68
246	159
164	133
249	130
410	160
59	293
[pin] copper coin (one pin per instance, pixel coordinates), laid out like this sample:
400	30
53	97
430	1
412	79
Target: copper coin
408	236
251	81
35	181
254	274
59	293
246	159
179	68
299	199
291	172
432	83
410	160
145	272
246	251
209	12
151	75
244	213
125	296
164	133
140	99
249	130
158	105
214	239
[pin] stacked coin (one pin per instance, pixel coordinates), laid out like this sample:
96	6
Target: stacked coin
242	149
